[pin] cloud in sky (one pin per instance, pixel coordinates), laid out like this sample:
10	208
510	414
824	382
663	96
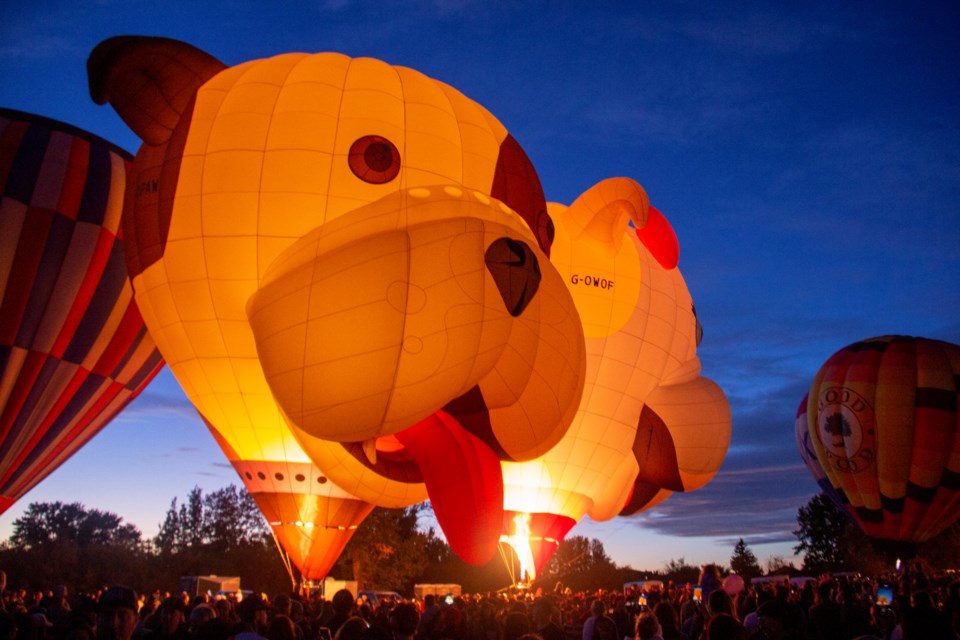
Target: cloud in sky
23	48
154	401
759	503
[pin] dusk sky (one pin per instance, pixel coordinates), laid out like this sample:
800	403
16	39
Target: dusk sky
808	159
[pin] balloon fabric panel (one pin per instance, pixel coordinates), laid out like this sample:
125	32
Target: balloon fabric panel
83	393
74	348
516	184
453	494
654	445
87	327
659	238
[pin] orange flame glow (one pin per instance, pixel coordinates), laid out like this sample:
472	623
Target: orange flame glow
520	541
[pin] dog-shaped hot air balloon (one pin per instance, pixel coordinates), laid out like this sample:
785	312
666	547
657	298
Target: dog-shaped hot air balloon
353	252
648	423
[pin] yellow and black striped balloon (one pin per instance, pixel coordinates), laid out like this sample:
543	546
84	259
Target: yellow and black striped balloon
883	422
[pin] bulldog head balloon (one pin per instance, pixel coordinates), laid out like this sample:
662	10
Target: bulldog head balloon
348	250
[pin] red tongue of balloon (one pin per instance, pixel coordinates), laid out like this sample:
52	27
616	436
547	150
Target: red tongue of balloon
464	482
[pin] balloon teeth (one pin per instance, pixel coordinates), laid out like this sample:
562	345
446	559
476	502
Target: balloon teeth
370	450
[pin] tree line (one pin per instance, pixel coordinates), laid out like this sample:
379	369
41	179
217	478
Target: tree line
223	533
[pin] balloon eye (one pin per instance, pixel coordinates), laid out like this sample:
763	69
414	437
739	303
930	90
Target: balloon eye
374	159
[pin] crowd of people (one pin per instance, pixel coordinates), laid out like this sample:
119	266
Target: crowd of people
921	606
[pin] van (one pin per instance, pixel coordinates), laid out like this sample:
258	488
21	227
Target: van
376	598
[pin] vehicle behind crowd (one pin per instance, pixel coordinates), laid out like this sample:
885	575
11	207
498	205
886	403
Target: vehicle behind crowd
897	606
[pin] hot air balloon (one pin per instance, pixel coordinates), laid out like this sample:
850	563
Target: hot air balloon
648	423
882	417
353	253
73	347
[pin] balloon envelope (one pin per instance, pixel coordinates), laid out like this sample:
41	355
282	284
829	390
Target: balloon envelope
342	249
648	423
73	347
882	417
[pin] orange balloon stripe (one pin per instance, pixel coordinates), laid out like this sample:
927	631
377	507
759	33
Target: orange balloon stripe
27	375
49	439
97	324
65	395
81	306
127	339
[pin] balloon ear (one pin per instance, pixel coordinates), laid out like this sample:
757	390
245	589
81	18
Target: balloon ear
603	211
149	82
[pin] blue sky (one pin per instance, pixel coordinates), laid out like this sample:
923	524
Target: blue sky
808	157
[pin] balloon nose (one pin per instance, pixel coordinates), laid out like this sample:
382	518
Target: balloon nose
516	271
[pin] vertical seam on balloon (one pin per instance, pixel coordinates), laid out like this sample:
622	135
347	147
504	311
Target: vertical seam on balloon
201	190
206	152
406	221
444	90
282	426
333	147
453	110
861	484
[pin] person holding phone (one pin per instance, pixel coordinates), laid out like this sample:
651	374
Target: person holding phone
884	596
710	580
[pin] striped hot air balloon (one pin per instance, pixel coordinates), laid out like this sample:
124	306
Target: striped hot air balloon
73	347
883	422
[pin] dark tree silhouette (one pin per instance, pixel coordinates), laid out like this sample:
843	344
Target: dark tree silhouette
44	523
743	562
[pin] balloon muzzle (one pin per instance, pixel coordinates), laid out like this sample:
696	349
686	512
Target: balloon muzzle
376	320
